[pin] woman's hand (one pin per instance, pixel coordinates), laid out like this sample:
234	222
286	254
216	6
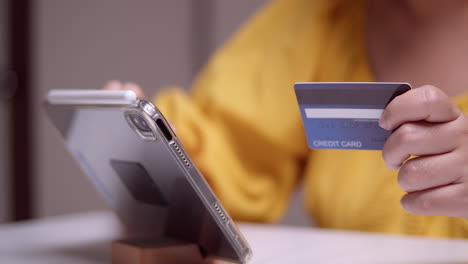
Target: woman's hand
434	130
117	85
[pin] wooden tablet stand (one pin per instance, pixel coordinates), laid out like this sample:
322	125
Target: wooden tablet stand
137	252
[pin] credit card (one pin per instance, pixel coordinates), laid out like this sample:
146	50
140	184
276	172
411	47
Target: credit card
346	115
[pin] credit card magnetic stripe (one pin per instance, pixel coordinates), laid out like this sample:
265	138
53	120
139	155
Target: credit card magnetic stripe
348	94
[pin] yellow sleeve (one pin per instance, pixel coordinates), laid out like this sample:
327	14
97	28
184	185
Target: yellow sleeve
241	123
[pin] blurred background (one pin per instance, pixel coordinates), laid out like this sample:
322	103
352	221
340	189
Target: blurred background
64	44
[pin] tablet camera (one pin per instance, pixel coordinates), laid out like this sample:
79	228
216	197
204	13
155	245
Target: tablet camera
140	125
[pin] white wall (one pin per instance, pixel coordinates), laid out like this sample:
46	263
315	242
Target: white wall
4	161
80	44
229	15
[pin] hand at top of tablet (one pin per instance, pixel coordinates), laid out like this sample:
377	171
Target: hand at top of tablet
434	132
118	85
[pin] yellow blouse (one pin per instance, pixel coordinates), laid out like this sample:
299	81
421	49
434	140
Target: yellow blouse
242	126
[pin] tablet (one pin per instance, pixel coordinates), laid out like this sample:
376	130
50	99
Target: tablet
126	148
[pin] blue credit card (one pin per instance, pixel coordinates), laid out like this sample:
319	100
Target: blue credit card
346	115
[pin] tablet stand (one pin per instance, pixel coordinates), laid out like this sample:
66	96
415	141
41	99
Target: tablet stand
138	252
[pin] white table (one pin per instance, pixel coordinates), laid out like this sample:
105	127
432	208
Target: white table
85	239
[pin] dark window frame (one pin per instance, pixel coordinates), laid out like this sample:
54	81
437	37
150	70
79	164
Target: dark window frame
21	122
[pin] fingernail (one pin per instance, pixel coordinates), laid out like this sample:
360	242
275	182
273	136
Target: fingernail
383	124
